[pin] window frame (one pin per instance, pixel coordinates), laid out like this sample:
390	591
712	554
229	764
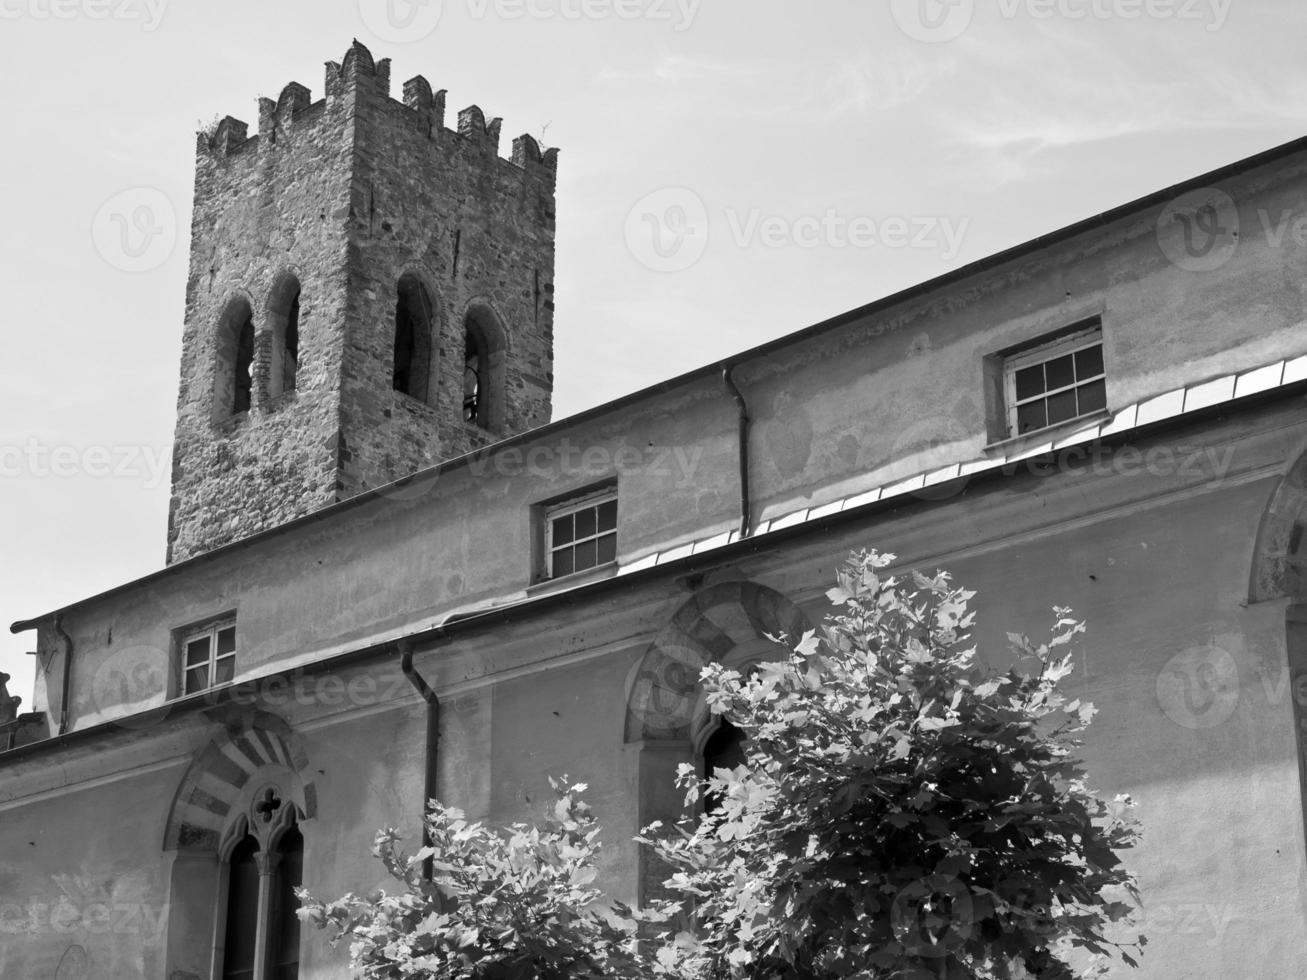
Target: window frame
594	498
209	629
1082	337
270	917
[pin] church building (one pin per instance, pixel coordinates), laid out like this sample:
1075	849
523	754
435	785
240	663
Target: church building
391	577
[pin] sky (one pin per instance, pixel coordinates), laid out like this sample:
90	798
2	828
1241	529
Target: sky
731	171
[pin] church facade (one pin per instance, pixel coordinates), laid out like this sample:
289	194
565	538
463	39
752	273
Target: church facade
391	577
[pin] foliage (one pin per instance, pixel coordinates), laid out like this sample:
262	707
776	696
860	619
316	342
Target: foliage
498	906
901	813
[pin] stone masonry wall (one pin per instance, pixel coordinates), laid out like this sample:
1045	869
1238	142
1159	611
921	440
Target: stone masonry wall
347	195
478	232
264	206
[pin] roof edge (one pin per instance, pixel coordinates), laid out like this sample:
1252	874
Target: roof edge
714	368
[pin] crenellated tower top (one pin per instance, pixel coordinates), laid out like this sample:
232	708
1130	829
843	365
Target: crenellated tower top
357	70
370	293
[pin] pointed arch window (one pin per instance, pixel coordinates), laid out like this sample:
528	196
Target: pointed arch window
260	930
723	750
411	371
284	924
242	923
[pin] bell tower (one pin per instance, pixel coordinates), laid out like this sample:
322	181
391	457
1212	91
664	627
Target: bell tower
369	293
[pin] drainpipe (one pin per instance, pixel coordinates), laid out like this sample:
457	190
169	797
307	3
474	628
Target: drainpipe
67	685
745	505
433	740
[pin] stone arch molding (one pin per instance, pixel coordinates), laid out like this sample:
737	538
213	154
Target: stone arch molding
1279	567
663	698
228	777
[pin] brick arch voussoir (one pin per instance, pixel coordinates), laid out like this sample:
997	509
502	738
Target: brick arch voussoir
660	704
1279	565
202	805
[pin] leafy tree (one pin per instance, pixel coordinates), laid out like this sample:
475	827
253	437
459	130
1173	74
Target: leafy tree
901	813
514	905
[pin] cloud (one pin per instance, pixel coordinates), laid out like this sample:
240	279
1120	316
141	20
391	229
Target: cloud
860	84
1045	104
677	69
877	82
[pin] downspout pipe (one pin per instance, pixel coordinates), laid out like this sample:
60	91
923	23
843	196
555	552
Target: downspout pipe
433	740
746	505
67	684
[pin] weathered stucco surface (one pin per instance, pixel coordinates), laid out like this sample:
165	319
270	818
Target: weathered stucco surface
1180	543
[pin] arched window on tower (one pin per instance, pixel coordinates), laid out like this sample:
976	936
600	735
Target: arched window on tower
473	372
411	372
284	317
723	750
244	368
483	369
234	370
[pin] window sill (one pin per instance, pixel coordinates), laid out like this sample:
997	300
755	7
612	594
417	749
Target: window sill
278	402
208	693
233	422
1051	433
563	582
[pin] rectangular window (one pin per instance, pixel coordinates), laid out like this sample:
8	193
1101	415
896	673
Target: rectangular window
1055	382
581	533
208	656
